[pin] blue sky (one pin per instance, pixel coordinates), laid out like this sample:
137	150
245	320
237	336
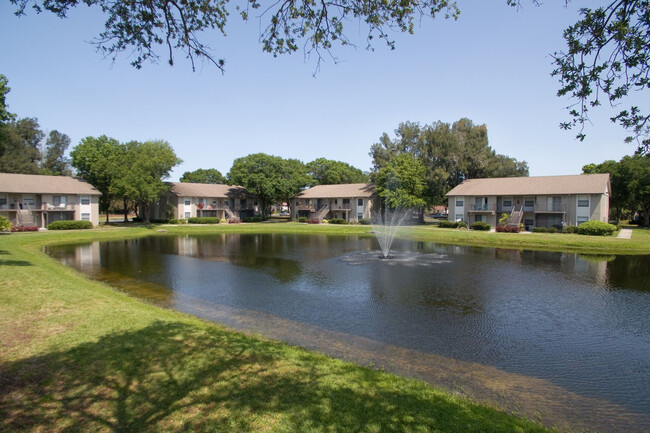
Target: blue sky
492	66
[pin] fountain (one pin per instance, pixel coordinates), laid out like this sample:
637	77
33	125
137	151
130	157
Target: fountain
385	228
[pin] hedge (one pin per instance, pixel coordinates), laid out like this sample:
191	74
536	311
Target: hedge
69	225
544	230
596	228
365	221
448	224
177	221
337	221
508	229
203	220
480	225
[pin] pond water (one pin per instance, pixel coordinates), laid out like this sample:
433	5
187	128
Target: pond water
558	337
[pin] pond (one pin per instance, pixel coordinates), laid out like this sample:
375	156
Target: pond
558	337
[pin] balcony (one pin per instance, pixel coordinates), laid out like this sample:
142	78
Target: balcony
341	207
551	208
55	208
484	208
309	207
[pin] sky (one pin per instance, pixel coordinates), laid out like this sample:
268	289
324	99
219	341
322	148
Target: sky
492	66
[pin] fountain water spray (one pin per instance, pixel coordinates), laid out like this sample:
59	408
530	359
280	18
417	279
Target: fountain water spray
385	228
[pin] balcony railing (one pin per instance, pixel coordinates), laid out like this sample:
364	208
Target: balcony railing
309	207
59	207
482	207
340	207
554	207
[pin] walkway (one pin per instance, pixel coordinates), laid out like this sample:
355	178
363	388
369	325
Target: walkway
625	234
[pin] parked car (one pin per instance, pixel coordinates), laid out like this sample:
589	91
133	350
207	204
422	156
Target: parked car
439	215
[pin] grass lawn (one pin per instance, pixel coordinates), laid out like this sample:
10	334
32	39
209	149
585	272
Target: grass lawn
76	355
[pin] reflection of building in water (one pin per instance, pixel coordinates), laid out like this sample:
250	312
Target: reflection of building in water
87	257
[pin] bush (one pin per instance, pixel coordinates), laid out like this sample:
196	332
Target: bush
69	225
596	228
302	219
313	221
365	221
338	221
234	221
257	219
24	229
544	230
508	229
462	225
448	224
570	229
5	224
178	221
203	220
480	225
158	221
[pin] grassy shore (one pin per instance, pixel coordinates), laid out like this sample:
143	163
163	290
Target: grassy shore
76	355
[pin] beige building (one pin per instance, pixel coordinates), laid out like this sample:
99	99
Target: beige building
542	201
350	201
35	200
186	200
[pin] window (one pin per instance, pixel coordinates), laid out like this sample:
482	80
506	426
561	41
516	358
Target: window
460	202
359	215
188	201
529	202
3	200
346	201
85	200
29	200
507	201
59	200
187	215
582	220
242	202
583	201
85	216
479	218
360	202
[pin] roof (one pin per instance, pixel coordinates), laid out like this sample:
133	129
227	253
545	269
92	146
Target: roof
208	190
340	190
39	184
538	185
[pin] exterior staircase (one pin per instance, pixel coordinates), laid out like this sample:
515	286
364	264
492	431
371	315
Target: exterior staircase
516	216
320	213
25	217
230	214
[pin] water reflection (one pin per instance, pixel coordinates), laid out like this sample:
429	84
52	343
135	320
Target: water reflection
577	323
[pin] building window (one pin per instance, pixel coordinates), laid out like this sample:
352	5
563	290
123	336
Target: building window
346	201
360	202
187	215
582	220
85	200
85	216
242	202
583	201
59	200
29	200
188	201
460	202
529	202
3	200
479	218
359	215
507	201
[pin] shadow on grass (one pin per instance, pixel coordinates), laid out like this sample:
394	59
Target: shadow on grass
180	377
15	263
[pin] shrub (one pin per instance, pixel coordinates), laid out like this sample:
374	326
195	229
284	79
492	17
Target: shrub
505	218
158	221
313	221
596	228
365	221
570	229
302	219
203	220
480	225
24	229
257	219
69	225
234	221
539	229
338	221
448	224
5	224
508	229
462	225
177	221
325	221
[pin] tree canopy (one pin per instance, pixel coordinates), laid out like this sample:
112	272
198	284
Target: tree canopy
210	175
330	172
401	183
270	178
450	153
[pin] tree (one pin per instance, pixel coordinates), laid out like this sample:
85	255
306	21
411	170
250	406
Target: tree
22	147
210	175
142	170
619	196
607	57
54	160
329	172
269	177
451	154
97	162
401	183
5	116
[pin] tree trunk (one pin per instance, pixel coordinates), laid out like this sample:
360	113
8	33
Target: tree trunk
646	216
126	211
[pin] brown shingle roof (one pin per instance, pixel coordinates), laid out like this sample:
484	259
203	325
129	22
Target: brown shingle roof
542	185
39	184
208	190
342	190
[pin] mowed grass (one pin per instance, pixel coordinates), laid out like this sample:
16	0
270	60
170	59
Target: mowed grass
76	355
